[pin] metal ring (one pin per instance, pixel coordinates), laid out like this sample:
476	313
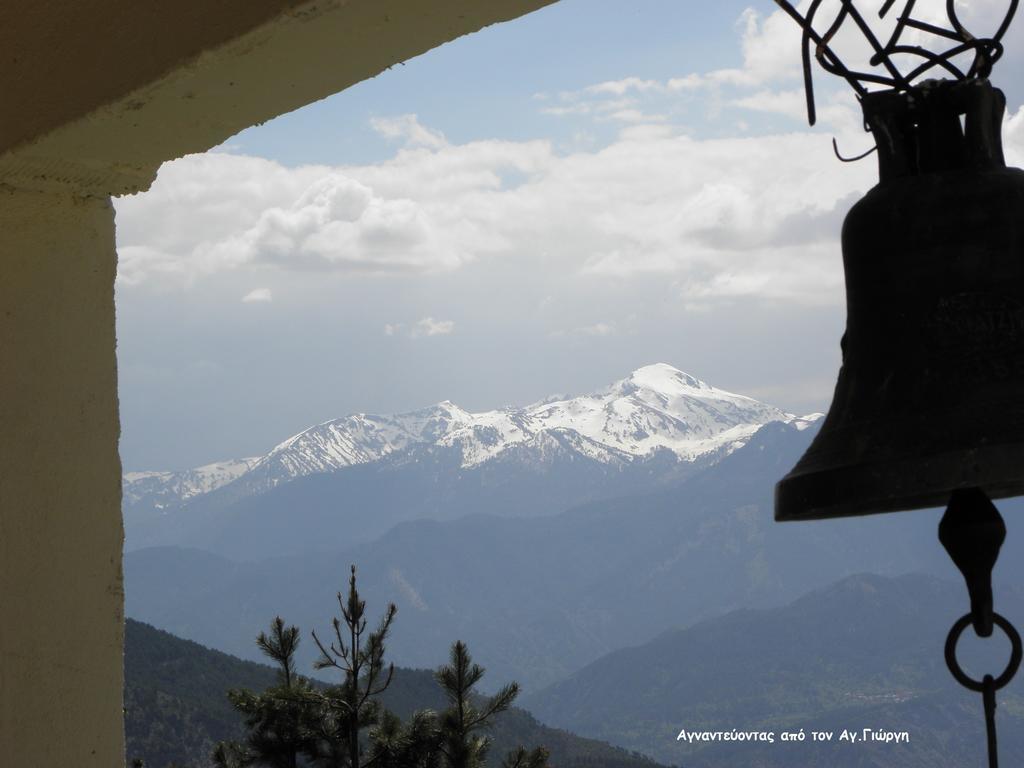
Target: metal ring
1011	668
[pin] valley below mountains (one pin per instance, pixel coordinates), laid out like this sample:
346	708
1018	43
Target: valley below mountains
864	653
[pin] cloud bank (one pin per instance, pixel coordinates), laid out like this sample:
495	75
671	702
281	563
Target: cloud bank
728	217
723	217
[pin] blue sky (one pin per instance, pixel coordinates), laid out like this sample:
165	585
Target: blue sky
538	208
486	85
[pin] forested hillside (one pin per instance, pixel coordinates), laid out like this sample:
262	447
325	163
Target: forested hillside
176	709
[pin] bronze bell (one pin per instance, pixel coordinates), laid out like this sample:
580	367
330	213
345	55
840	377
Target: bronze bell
930	396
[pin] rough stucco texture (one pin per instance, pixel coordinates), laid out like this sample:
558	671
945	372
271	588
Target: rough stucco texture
61	60
304	53
61	597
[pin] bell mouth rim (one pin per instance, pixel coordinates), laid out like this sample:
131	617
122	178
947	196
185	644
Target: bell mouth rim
919	482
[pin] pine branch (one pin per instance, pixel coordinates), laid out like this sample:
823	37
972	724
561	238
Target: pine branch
498	703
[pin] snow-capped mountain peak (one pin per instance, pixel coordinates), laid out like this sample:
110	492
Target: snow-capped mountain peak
662	377
655	408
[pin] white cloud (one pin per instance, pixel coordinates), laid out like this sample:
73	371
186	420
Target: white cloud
768	78
726	217
770	47
620	87
424	327
771	51
563	110
399	217
597	329
636	116
688	82
601	108
258	295
409	129
834	110
753	216
1013	138
428	326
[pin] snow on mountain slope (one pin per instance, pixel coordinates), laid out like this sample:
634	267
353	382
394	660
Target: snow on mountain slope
161	488
657	407
357	439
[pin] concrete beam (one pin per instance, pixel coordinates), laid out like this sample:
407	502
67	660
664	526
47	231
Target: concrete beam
302	54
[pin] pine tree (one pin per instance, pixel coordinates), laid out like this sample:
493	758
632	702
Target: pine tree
351	706
522	758
279	720
461	743
394	744
294	724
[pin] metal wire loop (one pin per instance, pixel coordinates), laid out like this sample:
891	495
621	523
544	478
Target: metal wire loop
861	156
1016	653
986	50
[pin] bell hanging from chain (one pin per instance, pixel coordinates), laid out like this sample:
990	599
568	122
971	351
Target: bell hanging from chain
930	396
927	408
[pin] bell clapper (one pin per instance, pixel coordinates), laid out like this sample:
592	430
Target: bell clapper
972	532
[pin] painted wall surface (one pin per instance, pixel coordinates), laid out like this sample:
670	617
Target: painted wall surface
60	485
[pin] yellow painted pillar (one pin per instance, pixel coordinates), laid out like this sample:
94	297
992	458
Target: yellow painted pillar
61	596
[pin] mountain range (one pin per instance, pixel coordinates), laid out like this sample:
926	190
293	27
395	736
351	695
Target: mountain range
652	428
655	407
541	597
